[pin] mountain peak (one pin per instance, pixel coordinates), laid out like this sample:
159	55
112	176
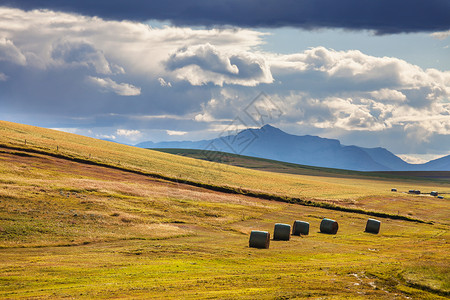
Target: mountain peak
269	128
272	143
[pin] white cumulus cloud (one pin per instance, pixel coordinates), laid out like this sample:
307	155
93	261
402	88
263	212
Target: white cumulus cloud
331	70
122	89
127	133
205	63
388	95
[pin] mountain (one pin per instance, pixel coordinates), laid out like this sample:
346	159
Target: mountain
273	143
388	159
440	164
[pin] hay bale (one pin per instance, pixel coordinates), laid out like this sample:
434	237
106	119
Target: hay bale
393	190
434	193
329	226
282	232
300	228
259	239
373	226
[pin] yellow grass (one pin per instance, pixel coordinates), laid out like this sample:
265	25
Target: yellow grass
71	230
353	191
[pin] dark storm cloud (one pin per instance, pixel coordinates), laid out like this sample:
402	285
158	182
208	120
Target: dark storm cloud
383	16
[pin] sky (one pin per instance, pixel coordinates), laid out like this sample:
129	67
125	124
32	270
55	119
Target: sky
369	73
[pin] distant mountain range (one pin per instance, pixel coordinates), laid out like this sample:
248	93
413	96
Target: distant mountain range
273	143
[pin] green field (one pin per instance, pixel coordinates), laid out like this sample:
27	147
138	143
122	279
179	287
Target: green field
83	218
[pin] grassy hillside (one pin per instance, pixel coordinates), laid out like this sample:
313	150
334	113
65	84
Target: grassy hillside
75	230
353	191
270	165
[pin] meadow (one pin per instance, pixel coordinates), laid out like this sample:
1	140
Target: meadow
355	190
83	218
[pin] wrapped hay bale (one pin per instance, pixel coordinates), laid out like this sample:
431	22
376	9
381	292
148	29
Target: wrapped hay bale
259	239
282	232
329	226
300	228
373	226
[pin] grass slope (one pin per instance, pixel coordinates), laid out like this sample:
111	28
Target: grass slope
76	230
270	165
354	191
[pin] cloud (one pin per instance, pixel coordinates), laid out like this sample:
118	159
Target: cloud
69	130
9	52
163	83
349	114
202	64
418	158
71	60
327	91
329	71
103	44
123	89
382	16
388	95
442	35
223	108
127	133
79	53
359	113
174	132
106	136
64	70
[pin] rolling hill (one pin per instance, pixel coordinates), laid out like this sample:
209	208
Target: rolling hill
272	143
84	218
321	188
264	164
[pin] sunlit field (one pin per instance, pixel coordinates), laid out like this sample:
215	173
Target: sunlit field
348	190
74	229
